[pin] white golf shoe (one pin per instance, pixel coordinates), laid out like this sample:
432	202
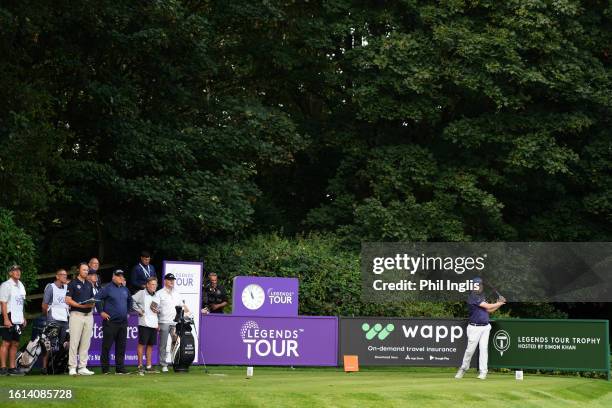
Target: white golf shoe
85	371
460	373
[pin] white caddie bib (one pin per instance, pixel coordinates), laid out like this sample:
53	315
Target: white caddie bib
59	308
16	302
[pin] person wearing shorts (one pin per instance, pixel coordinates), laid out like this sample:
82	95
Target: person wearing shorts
146	303
12	299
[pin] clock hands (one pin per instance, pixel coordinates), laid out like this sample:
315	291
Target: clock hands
255	297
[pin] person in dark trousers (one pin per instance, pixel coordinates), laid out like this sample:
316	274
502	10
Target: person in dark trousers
117	304
141	272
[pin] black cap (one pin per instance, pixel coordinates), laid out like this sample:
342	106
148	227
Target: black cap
118	272
145	254
169	277
92	272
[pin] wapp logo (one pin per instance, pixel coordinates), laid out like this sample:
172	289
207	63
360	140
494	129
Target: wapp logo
377	330
437	332
501	341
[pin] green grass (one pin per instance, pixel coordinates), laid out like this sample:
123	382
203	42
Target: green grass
318	387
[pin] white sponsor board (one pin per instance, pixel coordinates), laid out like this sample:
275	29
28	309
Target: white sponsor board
189	286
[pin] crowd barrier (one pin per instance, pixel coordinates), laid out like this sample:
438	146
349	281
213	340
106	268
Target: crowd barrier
567	345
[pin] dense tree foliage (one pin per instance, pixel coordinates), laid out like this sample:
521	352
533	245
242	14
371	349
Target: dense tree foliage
150	139
176	124
16	247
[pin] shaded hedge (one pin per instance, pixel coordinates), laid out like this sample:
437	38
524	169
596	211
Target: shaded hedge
329	274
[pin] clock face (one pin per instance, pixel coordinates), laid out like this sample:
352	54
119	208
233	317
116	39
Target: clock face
253	296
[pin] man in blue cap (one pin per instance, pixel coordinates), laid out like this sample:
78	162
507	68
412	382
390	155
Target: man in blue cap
117	304
478	329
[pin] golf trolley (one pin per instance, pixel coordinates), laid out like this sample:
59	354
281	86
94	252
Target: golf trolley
48	340
183	342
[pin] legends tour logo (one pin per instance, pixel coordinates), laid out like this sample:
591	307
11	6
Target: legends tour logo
270	342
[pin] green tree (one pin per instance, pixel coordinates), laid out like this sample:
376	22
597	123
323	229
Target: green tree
16	247
173	124
149	137
473	121
328	272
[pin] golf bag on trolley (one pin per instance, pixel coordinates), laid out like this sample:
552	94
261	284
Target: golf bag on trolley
48	340
58	353
183	343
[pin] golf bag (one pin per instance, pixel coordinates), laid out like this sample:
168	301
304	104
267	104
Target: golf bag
183	345
58	352
29	353
48	340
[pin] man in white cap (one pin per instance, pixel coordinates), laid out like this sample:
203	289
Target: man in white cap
12	299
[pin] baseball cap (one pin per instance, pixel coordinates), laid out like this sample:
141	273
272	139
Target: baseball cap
14	267
118	272
477	279
170	277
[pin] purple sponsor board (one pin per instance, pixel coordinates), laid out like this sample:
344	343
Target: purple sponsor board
131	358
261	296
251	340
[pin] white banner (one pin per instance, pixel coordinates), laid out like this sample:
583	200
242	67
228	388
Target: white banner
189	285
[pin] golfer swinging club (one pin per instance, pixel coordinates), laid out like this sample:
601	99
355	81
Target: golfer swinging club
478	329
